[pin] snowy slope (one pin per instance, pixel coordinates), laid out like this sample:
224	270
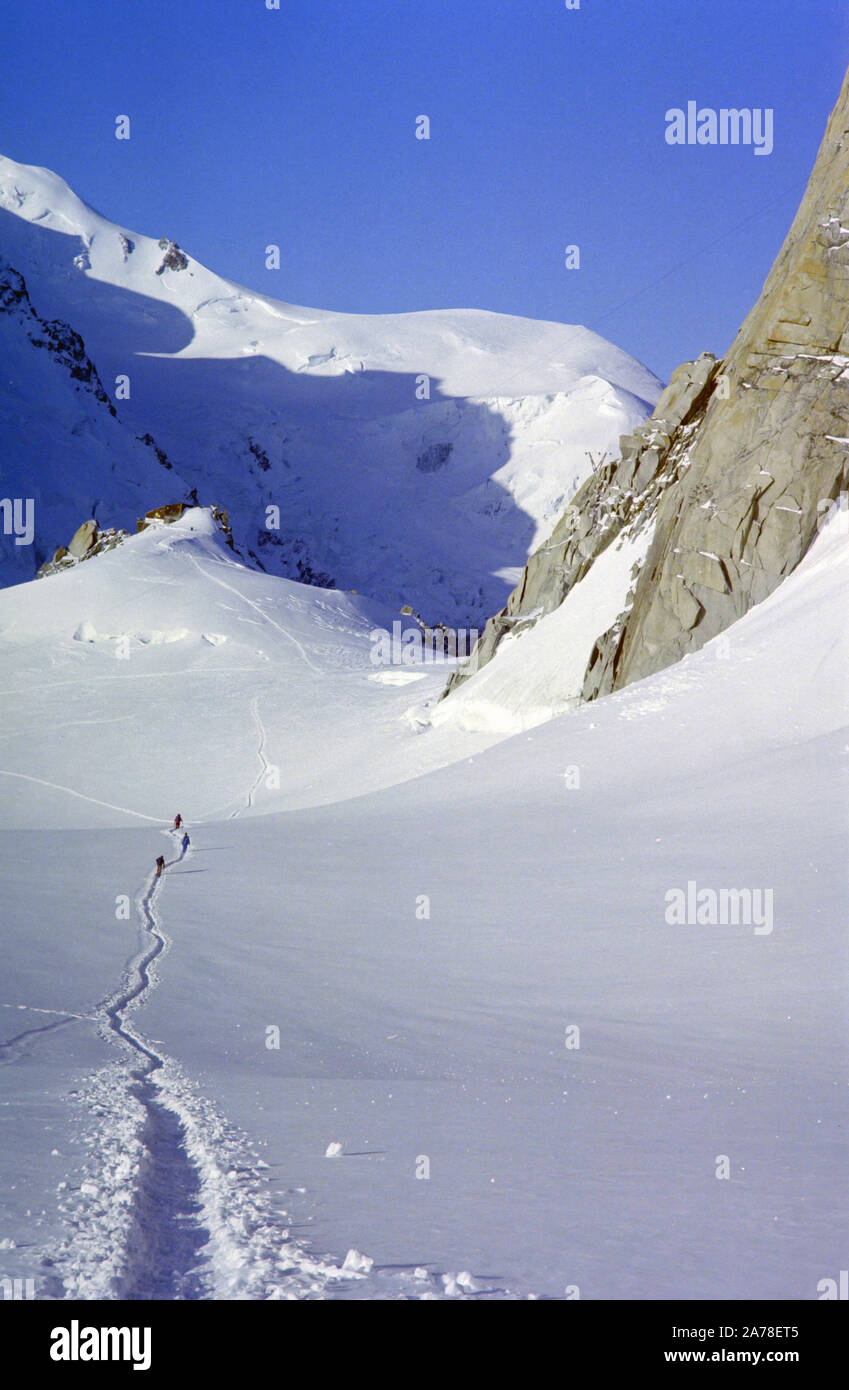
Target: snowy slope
408	1034
429	499
134	644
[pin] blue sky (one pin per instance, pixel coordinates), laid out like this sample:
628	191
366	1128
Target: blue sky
252	126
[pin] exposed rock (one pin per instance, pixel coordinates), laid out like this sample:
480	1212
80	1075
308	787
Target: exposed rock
172	511
88	540
685	386
621	496
221	515
13	290
151	443
293	559
83	540
770	450
435	456
54	335
174	258
259	454
732	470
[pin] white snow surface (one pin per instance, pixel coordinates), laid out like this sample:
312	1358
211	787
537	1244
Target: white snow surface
429	499
389	944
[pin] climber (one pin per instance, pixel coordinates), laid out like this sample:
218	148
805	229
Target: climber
178	821
185	842
160	865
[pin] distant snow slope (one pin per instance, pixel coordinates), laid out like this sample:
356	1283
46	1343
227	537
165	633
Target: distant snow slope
401	974
415	457
176	669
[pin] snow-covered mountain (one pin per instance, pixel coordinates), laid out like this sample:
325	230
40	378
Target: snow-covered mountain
418	458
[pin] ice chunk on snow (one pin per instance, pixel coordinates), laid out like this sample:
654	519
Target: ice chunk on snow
155	637
397	677
355	1263
333	1150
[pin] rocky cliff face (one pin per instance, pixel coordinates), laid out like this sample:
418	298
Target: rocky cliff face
62	344
733	470
65	446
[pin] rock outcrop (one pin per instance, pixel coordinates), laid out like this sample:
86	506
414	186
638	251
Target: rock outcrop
60	426
734	469
620	497
57	338
174	258
89	540
173	511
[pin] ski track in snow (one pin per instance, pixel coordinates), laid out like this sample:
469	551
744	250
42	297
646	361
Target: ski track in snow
192	672
290	637
10	1043
55	786
264	763
174	1203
